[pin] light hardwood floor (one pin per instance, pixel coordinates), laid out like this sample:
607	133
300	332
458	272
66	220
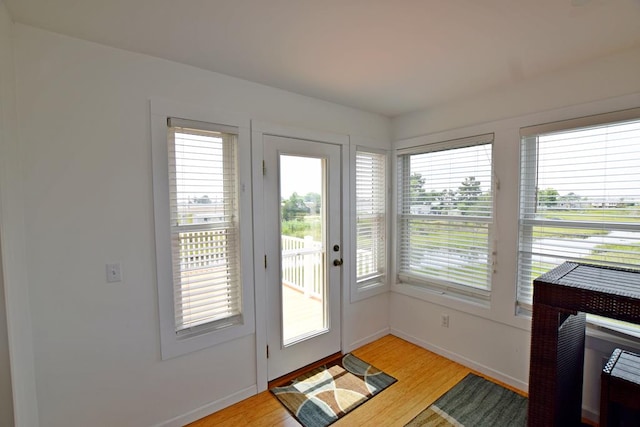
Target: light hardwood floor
422	376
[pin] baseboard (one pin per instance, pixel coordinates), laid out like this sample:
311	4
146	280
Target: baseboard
507	379
366	340
210	408
587	413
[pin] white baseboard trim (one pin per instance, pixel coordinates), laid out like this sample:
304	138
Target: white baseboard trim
366	340
588	413
514	382
210	408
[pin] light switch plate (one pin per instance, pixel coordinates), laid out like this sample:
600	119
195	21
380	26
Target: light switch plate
114	273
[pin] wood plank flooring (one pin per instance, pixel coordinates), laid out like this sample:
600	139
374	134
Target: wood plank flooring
422	376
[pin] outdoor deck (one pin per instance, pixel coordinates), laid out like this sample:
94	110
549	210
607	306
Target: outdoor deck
300	313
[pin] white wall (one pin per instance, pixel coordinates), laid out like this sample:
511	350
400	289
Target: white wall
494	340
15	323
83	120
607	77
6	397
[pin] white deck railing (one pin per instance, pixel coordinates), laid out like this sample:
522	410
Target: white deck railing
302	259
303	264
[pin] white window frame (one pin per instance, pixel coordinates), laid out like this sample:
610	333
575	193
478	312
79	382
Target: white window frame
362	289
171	343
528	180
449	290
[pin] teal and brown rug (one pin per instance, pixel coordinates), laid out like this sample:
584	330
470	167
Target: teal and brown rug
323	395
475	402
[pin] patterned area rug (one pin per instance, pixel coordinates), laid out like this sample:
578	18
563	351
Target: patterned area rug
475	402
321	396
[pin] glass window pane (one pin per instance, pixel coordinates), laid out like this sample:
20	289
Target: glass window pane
303	229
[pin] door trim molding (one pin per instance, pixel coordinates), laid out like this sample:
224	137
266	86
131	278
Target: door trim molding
258	131
278	382
265	128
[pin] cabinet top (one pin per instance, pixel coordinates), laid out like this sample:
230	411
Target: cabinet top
606	291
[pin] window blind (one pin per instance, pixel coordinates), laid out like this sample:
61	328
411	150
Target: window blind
204	225
445	207
371	222
579	196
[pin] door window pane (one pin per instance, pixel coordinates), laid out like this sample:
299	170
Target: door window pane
303	230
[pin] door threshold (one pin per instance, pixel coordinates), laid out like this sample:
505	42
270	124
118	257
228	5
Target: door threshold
278	382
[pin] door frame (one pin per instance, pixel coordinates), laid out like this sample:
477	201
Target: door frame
258	131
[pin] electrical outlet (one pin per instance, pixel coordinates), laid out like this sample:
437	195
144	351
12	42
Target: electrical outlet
444	321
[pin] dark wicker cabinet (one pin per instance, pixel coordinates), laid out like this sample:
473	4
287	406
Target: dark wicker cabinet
620	390
561	299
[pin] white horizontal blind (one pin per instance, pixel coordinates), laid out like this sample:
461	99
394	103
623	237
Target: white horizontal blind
204	226
579	199
445	210
371	219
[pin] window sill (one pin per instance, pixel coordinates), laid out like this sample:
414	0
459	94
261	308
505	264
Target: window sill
601	337
369	291
173	346
456	302
605	340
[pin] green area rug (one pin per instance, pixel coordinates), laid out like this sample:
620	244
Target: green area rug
323	395
475	402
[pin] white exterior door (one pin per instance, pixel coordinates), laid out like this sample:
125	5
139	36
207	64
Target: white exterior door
303	222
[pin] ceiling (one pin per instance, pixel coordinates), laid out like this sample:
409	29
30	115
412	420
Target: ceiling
384	56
